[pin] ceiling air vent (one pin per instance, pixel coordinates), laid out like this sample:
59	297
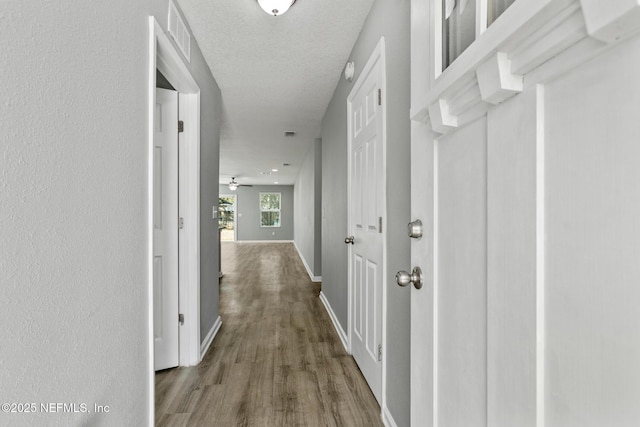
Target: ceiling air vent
289	133
179	31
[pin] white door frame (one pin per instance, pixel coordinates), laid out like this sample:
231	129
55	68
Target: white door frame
164	57
378	54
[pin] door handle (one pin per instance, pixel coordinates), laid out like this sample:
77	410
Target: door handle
350	239
415	229
403	278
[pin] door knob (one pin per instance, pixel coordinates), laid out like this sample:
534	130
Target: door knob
349	239
415	229
403	278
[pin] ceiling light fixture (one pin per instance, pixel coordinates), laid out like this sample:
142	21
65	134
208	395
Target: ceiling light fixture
276	7
274	170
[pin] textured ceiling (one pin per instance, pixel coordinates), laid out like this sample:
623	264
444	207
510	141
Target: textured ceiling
276	74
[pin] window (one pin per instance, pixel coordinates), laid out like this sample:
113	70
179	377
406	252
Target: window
460	27
270	209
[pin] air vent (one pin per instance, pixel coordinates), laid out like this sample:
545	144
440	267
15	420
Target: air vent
289	133
179	32
286	164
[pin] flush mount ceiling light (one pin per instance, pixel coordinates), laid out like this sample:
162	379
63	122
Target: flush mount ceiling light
276	7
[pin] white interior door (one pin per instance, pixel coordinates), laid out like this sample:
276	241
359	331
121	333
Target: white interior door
165	230
528	315
366	211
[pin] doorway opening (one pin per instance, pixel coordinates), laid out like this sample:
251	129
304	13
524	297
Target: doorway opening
227	213
164	59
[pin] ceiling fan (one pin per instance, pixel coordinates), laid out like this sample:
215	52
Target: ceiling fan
233	185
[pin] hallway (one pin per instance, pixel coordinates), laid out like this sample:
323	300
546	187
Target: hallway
276	360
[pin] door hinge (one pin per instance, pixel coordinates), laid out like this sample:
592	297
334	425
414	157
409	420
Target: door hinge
379	224
180	126
181	223
379	352
379	96
181	318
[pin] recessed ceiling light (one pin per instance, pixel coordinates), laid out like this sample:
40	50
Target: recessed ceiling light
275	182
274	170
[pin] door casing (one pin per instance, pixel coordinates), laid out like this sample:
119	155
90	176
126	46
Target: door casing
164	57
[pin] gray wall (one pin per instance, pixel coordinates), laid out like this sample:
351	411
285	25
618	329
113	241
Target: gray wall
307	208
248	212
391	19
74	185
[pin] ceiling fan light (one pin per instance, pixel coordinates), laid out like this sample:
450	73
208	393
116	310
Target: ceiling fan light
275	7
233	185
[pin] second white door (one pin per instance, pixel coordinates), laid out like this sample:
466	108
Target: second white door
366	212
165	230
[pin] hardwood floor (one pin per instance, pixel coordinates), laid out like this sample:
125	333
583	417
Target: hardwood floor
276	361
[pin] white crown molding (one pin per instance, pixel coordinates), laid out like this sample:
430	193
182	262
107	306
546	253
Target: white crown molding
497	82
531	43
611	20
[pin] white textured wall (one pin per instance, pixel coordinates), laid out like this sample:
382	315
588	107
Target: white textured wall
73	185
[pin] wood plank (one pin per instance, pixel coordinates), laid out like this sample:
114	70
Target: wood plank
277	359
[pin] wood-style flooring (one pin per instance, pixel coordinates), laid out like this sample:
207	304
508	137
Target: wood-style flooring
276	361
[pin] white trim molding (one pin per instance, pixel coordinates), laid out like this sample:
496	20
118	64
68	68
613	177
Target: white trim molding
532	42
261	241
611	20
336	324
306	266
387	418
163	56
204	347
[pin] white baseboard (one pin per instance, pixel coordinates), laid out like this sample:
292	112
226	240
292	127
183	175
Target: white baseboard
261	241
210	336
387	419
341	333
304	261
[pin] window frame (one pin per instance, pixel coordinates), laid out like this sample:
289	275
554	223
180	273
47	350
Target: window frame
279	210
481	26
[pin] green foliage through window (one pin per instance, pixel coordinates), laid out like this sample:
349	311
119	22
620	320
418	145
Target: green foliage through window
270	209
